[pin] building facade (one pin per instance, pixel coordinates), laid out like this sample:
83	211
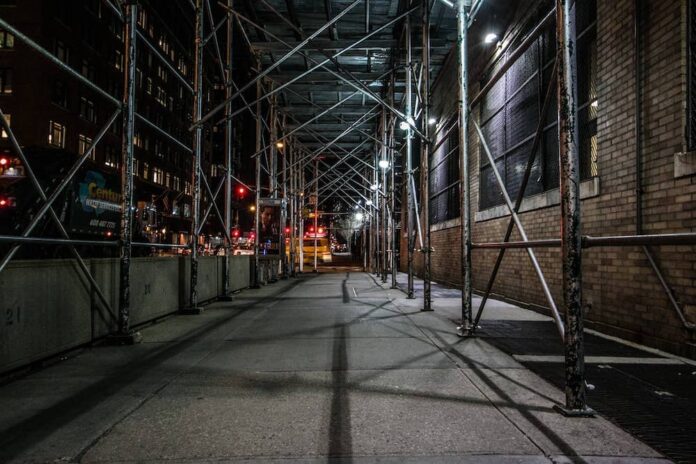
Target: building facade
636	125
50	110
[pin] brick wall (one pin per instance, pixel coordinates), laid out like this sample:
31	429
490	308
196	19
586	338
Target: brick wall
621	293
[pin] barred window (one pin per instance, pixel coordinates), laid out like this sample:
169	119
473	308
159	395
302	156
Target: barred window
510	114
444	173
691	77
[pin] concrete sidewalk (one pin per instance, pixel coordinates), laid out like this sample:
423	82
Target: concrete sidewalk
323	368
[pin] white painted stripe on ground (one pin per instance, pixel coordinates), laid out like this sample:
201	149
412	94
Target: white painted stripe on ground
596	359
641	347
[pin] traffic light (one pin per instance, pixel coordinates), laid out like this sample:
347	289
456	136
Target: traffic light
235	233
287	230
6	202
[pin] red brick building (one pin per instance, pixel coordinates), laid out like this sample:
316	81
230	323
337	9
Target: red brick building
638	166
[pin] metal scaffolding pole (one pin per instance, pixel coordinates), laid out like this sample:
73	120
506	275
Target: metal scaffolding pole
284	211
410	211
464	184
130	26
425	154
228	155
392	184
316	210
290	150
257	198
571	238
385	203
300	209
193	307
375	202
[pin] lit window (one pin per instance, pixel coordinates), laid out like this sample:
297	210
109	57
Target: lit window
148	86
111	157
146	170
142	18
83	144
5	81
56	134
157	175
8	118
6	40
118	60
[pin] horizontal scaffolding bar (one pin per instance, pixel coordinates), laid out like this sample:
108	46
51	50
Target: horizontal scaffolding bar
687	238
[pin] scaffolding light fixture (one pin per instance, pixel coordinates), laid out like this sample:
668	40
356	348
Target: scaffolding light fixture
490	37
384	164
432	121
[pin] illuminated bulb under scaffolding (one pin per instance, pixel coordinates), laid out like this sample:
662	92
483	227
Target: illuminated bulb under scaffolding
490	37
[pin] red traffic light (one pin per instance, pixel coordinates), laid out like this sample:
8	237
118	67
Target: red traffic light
241	190
4	161
235	233
287	230
4	202
311	229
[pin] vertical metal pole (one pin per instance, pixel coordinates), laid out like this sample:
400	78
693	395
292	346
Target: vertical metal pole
378	215
385	204
273	159
257	197
316	210
392	157
284	210
425	155
228	154
464	184
197	152
571	246
410	240
300	212
130	35
293	201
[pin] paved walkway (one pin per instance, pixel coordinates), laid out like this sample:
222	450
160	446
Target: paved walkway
324	368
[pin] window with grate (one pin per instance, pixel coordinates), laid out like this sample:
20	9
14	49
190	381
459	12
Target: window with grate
691	77
444	174
510	114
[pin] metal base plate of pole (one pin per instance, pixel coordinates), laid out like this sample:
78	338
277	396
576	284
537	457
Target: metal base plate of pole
585	412
132	338
190	311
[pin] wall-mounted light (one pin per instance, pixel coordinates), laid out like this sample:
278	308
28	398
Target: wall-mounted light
490	37
384	164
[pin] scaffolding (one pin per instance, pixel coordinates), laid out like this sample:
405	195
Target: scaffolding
293	154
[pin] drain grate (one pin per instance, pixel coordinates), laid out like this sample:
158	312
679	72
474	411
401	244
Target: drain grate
655	403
